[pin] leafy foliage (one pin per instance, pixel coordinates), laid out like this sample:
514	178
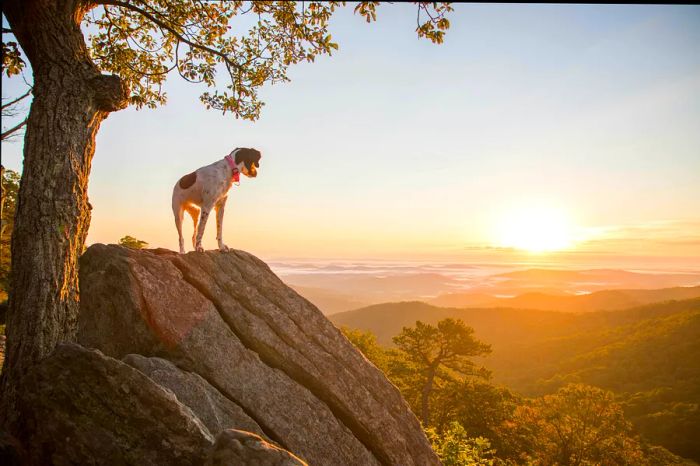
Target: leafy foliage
10	187
653	366
649	356
12	63
251	43
366	342
451	343
579	424
455	447
439	354
132	243
481	407
436	24
474	421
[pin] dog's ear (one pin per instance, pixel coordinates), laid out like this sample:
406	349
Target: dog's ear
256	155
249	156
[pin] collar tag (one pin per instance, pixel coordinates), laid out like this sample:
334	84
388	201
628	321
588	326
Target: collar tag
236	175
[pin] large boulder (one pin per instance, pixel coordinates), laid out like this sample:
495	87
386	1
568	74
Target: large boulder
86	408
240	447
215	411
228	319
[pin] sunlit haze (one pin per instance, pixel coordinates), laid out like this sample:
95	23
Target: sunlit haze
536	229
561	133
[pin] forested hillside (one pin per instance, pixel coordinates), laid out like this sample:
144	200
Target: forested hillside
500	326
649	356
652	365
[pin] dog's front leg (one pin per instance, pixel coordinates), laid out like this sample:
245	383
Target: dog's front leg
204	215
220	223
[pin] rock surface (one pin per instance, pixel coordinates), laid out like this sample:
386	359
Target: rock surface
87	408
227	318
215	411
239	447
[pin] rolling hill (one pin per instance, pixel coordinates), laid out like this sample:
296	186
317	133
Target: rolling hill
648	355
502	327
329	301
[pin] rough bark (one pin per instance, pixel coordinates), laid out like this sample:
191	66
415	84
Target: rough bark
71	99
2	196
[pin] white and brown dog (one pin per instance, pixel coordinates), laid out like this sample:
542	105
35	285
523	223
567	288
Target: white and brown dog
206	189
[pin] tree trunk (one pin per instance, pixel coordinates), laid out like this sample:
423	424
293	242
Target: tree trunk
71	98
2	202
425	395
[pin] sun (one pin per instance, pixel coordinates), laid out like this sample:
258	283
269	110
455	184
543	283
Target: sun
535	229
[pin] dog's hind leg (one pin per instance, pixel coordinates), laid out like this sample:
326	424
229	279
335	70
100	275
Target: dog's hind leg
179	212
202	225
194	213
220	223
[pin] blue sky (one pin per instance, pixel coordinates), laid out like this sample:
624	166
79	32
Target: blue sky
396	147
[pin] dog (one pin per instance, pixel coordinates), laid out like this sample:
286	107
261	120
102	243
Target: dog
207	188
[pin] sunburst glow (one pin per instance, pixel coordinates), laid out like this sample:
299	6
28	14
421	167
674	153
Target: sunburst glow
535	229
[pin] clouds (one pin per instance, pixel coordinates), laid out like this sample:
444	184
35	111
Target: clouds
654	238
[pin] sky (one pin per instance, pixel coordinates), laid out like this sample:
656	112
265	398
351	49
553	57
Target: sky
528	119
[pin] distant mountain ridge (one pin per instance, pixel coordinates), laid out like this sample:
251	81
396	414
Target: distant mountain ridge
342	288
543	275
501	325
329	301
605	300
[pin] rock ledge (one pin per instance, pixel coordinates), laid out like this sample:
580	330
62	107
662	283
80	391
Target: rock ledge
238	349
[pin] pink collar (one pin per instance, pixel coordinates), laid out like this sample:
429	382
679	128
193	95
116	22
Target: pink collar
236	176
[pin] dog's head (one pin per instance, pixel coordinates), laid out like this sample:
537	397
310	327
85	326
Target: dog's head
250	158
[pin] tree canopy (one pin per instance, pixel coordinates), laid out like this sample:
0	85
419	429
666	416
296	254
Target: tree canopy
451	343
474	421
579	424
248	43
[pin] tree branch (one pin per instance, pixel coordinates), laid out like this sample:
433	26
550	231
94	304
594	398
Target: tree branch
179	70
9	132
23	96
129	36
180	37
